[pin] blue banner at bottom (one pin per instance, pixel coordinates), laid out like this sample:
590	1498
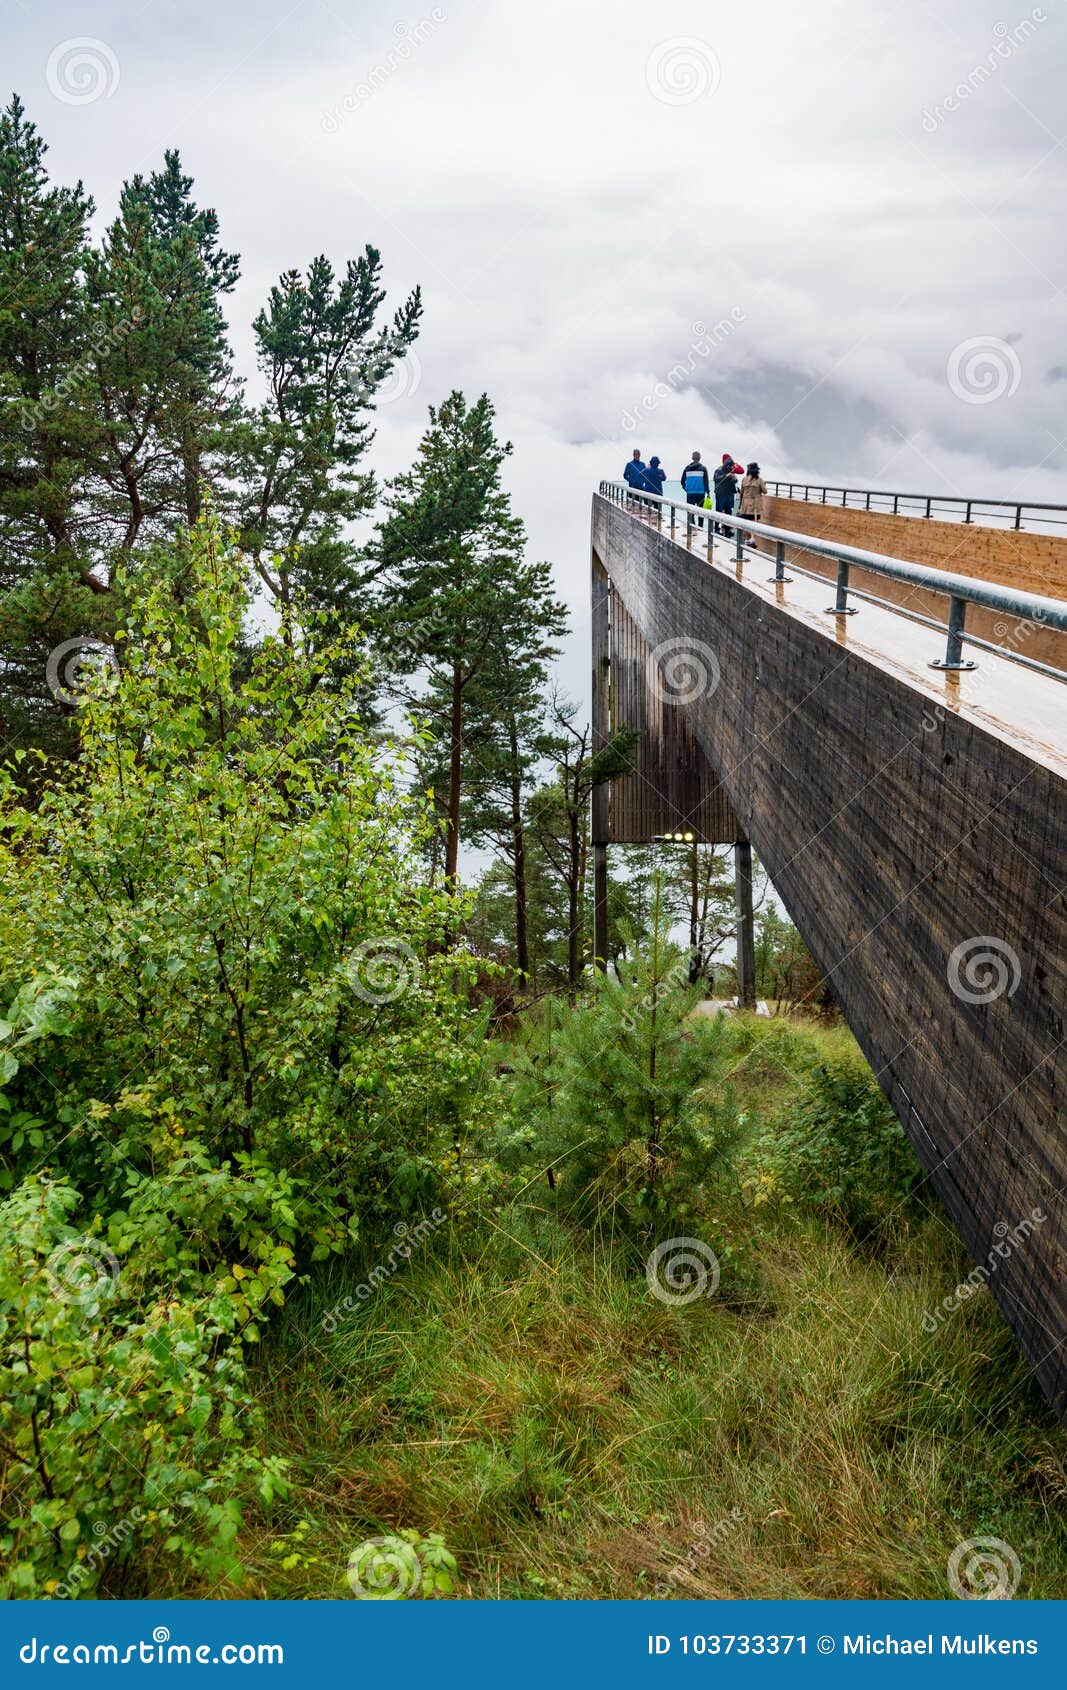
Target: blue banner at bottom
471	1644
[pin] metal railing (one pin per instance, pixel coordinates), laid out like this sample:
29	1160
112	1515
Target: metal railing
959	590
943	505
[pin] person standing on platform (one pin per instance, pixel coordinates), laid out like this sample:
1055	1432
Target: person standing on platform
695	481
753	494
635	473
655	476
726	488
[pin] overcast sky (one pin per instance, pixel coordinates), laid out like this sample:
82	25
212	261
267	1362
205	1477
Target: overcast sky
825	235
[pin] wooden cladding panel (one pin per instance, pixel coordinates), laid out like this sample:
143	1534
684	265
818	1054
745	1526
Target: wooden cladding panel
673	788
1034	563
895	837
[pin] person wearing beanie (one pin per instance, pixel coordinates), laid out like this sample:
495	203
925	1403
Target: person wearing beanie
726	488
753	494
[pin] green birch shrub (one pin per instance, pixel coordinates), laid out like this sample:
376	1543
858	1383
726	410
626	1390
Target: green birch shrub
233	1032
126	1426
230	878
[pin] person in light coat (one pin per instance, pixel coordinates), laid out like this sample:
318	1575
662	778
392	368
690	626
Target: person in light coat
753	495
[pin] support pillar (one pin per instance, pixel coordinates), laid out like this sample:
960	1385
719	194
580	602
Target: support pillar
601	733
746	938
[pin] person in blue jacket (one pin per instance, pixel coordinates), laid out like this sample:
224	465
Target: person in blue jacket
695	481
655	476
635	472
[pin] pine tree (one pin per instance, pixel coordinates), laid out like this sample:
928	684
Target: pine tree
505	717
323	357
559	812
464	619
624	1093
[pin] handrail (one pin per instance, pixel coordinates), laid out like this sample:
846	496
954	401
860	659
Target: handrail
931	503
960	590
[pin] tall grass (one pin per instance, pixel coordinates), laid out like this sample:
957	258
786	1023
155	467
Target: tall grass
517	1388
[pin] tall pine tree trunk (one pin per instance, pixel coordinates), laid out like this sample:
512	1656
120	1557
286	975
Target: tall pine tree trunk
574	884
518	851
454	779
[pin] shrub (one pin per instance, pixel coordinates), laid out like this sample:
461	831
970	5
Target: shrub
620	1096
223	900
124	1413
840	1149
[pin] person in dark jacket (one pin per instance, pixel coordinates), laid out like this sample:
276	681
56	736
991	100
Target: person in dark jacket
726	488
635	472
695	481
655	476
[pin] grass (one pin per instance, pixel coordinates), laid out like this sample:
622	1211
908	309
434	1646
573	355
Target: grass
517	1388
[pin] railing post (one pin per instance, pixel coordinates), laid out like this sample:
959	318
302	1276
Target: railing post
673	511
780	578
1018	516
740	552
868	504
967	518
954	658
928	502
896	504
840	606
